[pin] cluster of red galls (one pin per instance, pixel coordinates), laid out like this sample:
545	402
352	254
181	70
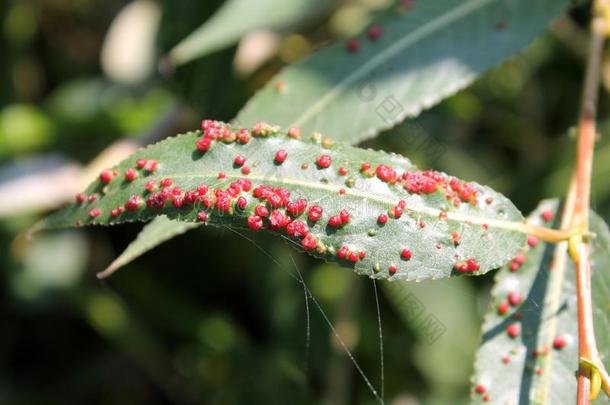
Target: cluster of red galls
424	182
344	253
337	221
467	266
282	211
219	131
131	174
429	181
150	166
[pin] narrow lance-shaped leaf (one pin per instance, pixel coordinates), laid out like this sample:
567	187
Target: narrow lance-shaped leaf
529	352
238	17
413	57
156	232
488	34
373	211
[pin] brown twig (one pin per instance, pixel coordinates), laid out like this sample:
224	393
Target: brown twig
579	247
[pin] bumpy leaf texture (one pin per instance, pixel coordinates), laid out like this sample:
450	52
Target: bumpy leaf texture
529	352
424	52
414	56
372	211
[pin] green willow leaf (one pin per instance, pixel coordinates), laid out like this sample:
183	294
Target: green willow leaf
426	53
238	17
446	224
538	366
372	104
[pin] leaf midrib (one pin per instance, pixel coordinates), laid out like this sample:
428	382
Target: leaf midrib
423	210
398	46
555	292
556	288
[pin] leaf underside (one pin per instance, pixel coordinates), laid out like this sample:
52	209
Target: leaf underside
426	53
529	368
154	233
441	229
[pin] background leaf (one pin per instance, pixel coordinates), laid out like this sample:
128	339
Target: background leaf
439	329
438	229
152	235
236	18
157	231
528	368
425	54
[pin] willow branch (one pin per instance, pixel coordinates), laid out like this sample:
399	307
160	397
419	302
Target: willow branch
579	247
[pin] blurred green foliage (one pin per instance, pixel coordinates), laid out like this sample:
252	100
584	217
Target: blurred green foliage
209	317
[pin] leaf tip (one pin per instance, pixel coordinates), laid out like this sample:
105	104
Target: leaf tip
108	271
35	229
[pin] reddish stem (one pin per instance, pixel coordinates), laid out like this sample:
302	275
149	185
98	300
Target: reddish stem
580	253
586	336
